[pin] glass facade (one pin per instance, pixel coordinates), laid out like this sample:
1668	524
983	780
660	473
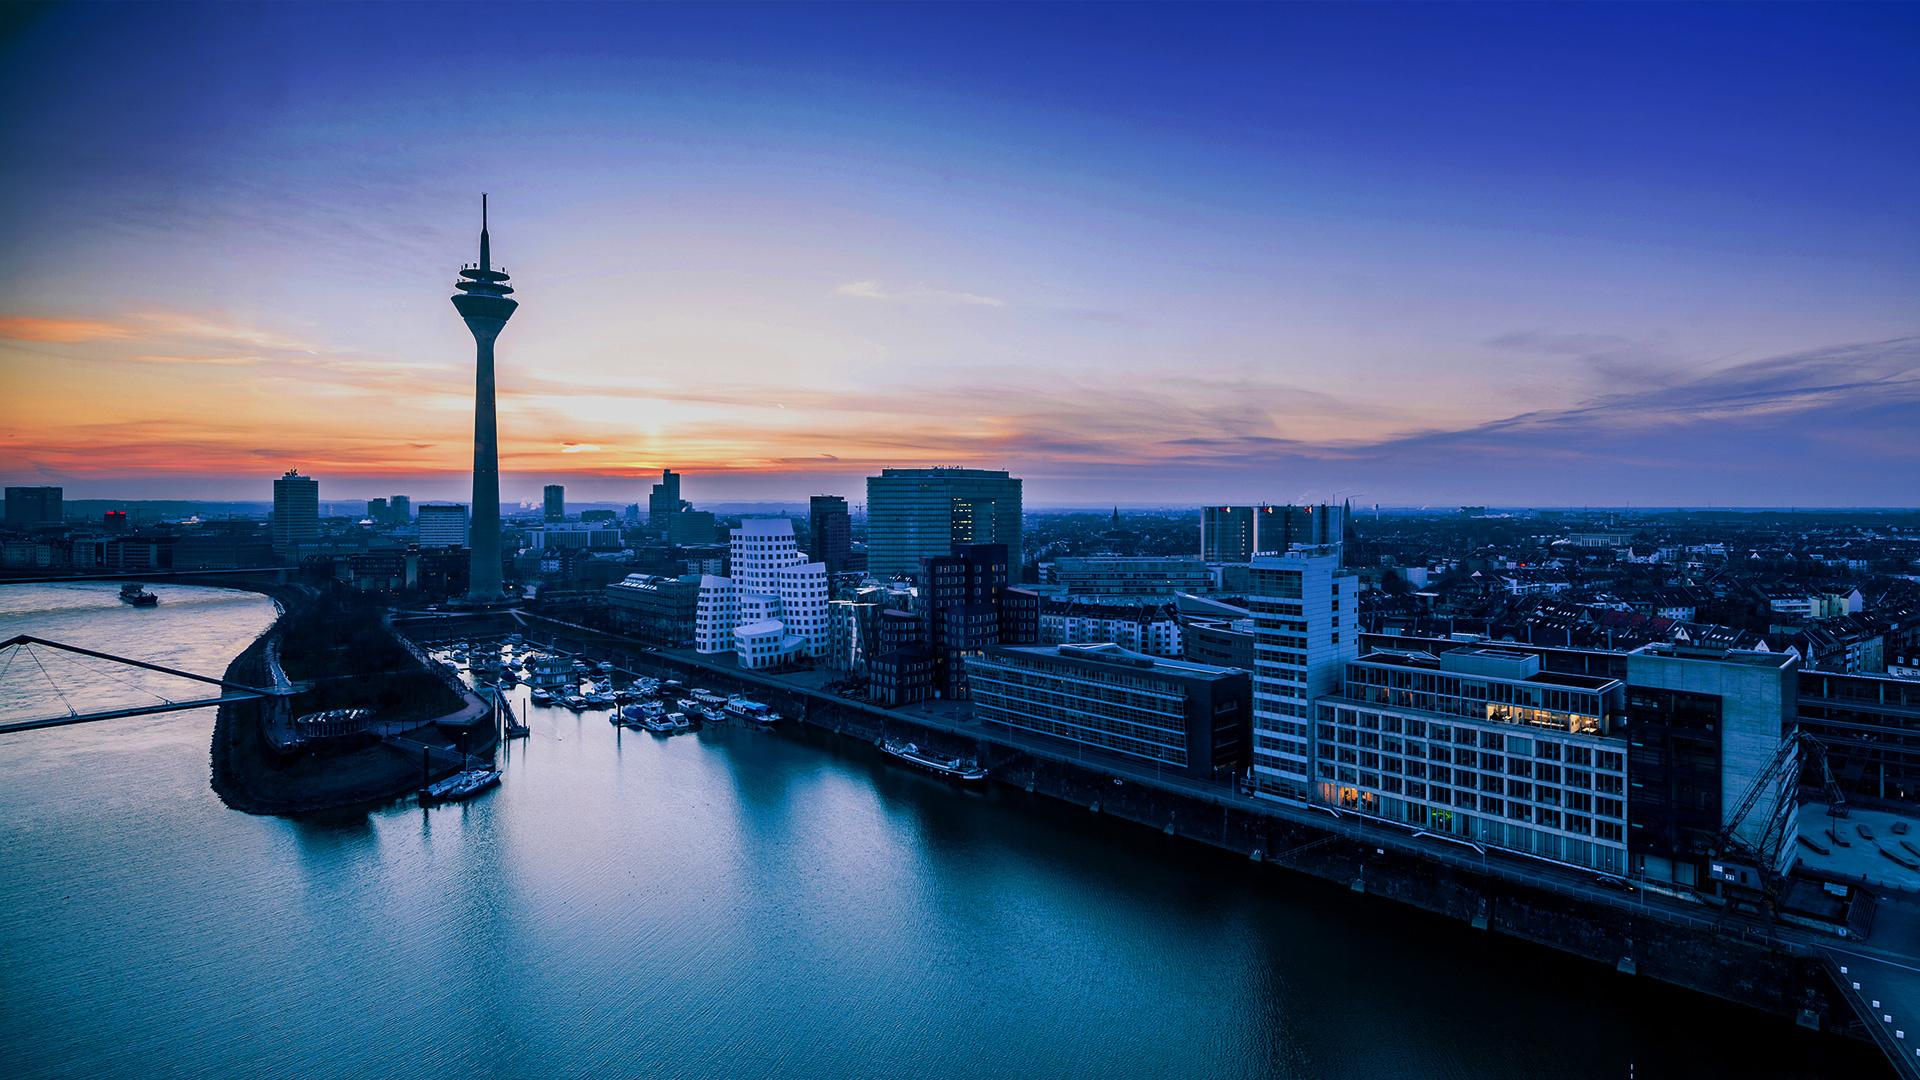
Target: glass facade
917	513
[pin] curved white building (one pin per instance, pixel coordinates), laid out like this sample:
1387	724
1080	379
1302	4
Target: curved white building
773	608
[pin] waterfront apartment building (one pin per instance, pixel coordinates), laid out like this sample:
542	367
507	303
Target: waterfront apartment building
664	501
31	506
555	503
1112	575
1700	726
1304	610
773	608
443	525
914	514
832	531
296	513
1103	698
660	611
1480	745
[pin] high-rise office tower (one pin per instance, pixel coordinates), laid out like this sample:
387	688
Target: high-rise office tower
556	505
1278	528
1235	534
400	510
832	531
664	502
296	512
484	304
914	514
377	511
1306	627
1226	533
30	506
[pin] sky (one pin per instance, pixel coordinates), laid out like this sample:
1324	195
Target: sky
1140	255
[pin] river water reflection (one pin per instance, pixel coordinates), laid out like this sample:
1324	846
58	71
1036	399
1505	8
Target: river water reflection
735	903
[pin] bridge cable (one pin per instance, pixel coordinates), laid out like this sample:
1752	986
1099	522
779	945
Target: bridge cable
71	711
122	680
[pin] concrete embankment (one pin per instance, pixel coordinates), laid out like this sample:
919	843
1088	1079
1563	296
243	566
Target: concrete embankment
249	774
1633	934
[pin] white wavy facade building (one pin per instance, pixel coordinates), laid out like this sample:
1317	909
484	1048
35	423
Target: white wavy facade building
773	608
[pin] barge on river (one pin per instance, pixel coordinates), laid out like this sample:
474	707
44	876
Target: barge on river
952	768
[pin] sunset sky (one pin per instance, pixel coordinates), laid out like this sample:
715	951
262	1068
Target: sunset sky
1533	255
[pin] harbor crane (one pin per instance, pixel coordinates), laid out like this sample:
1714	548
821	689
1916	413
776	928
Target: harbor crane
1746	864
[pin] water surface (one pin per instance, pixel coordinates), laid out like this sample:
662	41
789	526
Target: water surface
733	904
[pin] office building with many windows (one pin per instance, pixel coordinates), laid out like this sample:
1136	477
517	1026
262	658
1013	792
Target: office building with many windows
1226	534
31	506
968	605
1700	726
1304	609
831	528
443	525
1144	709
554	505
664	501
1113	575
1480	745
914	514
296	512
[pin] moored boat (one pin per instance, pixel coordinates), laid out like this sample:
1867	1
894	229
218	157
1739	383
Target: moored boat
461	785
952	767
541	697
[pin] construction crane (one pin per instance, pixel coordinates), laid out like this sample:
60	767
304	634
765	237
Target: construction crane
1746	865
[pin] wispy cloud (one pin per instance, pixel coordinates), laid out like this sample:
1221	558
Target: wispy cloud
872	290
61	331
578	448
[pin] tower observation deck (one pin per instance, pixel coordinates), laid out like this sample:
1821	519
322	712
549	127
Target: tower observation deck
484	301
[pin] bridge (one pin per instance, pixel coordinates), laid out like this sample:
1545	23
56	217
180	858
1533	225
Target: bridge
22	645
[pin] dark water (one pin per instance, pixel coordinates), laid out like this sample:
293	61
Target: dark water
732	904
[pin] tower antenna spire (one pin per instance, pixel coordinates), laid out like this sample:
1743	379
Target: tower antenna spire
486	257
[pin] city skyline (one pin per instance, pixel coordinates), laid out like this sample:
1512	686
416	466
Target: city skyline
1553	257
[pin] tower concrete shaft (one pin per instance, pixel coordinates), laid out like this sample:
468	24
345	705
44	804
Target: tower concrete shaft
486	306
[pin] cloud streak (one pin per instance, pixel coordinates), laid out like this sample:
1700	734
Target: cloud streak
872	290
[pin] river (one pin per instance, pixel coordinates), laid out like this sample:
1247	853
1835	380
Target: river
736	903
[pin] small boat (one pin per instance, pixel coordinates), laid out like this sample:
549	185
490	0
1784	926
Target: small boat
606	667
687	704
1865	833
599	701
541	697
137	595
574	702
461	785
955	768
1898	828
751	711
679	722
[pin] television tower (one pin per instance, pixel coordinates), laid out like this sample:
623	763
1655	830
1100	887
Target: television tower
483	302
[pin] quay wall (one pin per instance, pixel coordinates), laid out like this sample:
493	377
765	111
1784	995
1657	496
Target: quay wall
1778	977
